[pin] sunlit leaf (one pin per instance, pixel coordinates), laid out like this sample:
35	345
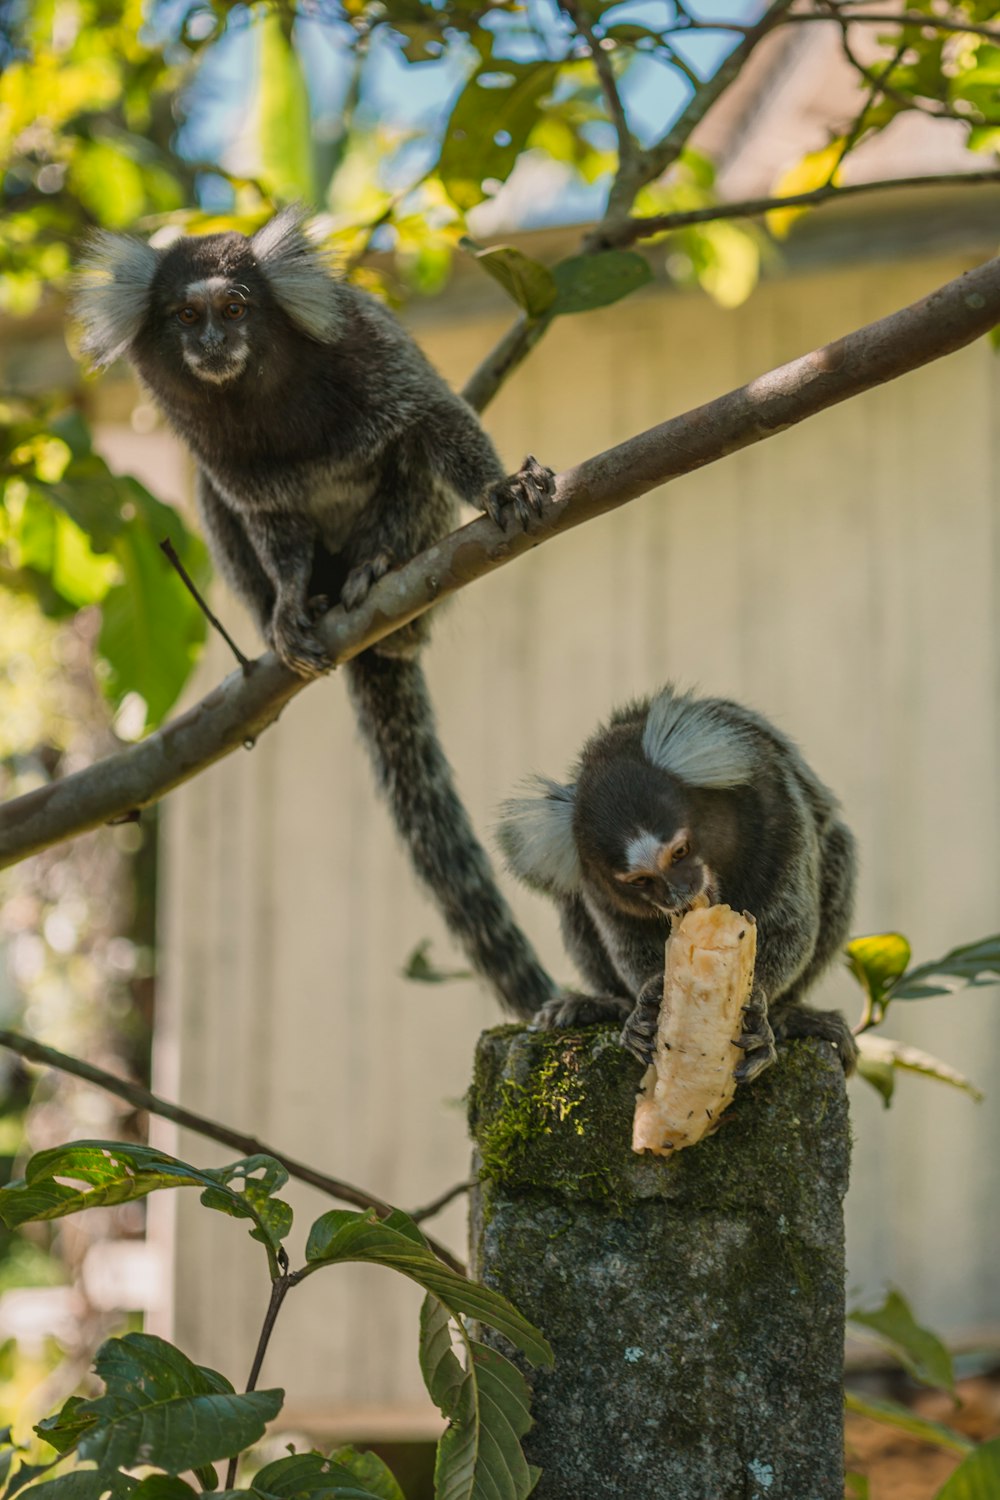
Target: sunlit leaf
877	962
814	170
281	123
977	1478
881	1056
919	1350
490	125
893	1414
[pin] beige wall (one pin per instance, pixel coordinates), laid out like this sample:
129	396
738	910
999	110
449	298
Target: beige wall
842	577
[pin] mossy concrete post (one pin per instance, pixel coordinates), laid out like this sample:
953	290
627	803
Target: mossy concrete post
696	1305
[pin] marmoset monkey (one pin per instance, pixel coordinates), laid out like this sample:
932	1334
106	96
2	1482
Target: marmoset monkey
328	450
678	799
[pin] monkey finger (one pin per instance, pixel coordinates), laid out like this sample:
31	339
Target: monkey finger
361	578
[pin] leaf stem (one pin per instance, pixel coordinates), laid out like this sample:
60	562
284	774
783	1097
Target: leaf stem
170	552
280	1288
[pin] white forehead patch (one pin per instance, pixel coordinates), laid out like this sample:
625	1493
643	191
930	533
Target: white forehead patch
643	851
207	288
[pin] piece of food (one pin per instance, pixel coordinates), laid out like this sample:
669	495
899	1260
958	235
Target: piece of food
709	975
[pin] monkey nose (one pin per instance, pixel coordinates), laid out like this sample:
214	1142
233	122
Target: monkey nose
212	338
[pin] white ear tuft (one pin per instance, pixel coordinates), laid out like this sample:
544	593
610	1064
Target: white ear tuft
111	293
536	836
298	275
692	739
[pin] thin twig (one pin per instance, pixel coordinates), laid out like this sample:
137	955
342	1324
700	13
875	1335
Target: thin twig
876	18
876	90
879	82
243	706
607	80
246	1145
280	1288
418	1215
170	552
630	230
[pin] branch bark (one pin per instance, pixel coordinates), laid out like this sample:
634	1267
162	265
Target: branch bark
242	706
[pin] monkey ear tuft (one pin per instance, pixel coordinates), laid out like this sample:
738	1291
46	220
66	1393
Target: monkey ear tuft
110	293
694	740
536	836
298	275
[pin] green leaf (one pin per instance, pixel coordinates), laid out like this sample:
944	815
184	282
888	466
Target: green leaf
978	1478
973	964
530	284
377	1477
307	1476
151	630
118	1173
85	1484
164	1487
161	1409
281	127
490	124
881	1056
420	967
487	1407
589	281
344	1235
877	962
920	1352
892	1414
857	1484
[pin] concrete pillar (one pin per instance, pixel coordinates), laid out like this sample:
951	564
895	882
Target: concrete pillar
696	1306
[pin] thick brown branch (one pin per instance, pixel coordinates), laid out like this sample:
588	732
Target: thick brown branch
213	1130
630	230
244	704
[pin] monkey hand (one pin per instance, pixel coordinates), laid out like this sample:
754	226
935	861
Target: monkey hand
568	1009
756	1040
521	495
293	637
639	1032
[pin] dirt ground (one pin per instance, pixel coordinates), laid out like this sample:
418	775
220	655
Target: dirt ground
899	1468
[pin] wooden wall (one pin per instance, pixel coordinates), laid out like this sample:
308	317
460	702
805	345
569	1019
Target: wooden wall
842	577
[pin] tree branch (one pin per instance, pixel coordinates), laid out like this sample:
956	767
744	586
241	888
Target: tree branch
246	1145
244	704
606	78
633	173
629	230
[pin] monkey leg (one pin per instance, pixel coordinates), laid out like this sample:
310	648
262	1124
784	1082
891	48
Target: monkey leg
521	495
830	1025
361	579
757	1039
568	1009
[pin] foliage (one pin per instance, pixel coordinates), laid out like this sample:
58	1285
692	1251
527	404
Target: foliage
161	1412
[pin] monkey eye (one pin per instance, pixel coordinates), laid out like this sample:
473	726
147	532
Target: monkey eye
234	311
640	882
681	852
188	316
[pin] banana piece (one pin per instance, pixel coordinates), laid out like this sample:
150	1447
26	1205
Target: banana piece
708	979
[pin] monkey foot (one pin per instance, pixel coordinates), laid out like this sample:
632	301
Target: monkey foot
521	495
568	1009
361	579
293	636
756	1040
799	1020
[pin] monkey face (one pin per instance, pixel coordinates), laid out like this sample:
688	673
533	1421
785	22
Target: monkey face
636	831
206	298
663	873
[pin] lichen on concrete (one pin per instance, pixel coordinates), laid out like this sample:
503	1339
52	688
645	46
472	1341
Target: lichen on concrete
695	1304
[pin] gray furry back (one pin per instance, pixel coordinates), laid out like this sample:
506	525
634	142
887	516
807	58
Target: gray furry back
396	720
